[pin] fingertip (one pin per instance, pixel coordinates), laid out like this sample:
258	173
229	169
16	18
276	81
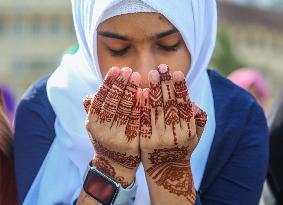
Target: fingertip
114	71
178	76
163	68
135	78
126	71
87	102
153	76
164	72
200	116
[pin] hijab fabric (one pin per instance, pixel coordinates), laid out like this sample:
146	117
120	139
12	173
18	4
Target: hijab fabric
60	177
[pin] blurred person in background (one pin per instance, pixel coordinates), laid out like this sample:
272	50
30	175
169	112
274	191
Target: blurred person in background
160	149
9	101
8	192
275	173
253	82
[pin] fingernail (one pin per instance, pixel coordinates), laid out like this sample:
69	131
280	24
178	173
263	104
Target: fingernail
178	76
163	68
114	72
201	118
199	113
135	78
153	76
126	72
87	102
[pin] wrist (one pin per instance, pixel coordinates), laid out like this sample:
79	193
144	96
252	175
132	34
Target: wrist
162	157
115	171
105	190
173	179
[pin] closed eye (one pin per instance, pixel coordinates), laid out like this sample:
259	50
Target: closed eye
171	47
119	52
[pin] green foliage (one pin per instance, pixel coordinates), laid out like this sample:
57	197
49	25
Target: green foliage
224	59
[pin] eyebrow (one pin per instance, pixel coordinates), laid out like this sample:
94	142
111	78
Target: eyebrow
126	38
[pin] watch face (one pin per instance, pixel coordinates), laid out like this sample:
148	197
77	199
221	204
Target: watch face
99	187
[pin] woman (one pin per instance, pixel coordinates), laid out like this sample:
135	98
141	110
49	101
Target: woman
7	176
253	82
275	177
141	122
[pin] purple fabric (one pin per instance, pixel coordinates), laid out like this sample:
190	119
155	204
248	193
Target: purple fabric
9	100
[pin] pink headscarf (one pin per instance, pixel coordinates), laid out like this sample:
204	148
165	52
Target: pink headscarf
247	79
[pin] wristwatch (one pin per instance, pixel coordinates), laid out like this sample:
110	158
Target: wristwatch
106	190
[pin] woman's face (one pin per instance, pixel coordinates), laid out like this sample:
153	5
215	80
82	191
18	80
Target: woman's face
141	41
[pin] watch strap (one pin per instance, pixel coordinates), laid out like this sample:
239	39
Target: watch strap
125	194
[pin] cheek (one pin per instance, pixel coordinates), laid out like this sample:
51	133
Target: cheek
106	61
180	61
102	59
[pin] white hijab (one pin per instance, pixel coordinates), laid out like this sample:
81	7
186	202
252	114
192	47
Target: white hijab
60	178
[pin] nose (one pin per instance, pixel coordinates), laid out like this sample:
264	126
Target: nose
144	63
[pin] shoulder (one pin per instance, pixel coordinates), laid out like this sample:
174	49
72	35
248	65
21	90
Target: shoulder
35	106
35	98
36	92
33	134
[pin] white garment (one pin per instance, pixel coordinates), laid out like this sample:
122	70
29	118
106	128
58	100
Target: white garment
59	180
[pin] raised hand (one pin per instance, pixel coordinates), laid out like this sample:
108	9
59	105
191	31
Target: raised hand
112	122
176	127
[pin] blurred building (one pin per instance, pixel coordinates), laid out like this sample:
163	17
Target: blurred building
33	36
266	4
256	37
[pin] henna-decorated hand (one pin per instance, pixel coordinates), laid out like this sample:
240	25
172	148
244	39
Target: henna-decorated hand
170	131
113	123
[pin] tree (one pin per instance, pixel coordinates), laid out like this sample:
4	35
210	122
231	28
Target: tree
224	59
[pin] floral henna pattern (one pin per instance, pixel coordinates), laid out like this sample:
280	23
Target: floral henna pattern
145	129
155	98
105	167
133	126
100	96
201	118
170	107
111	101
125	105
170	169
171	114
130	162
87	102
185	106
166	76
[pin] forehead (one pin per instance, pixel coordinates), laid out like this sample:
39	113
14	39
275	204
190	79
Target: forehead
137	25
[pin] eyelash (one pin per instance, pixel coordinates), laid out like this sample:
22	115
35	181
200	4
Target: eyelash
118	52
124	50
170	48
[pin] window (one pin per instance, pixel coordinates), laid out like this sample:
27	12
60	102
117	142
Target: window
55	25
36	26
2	26
18	26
